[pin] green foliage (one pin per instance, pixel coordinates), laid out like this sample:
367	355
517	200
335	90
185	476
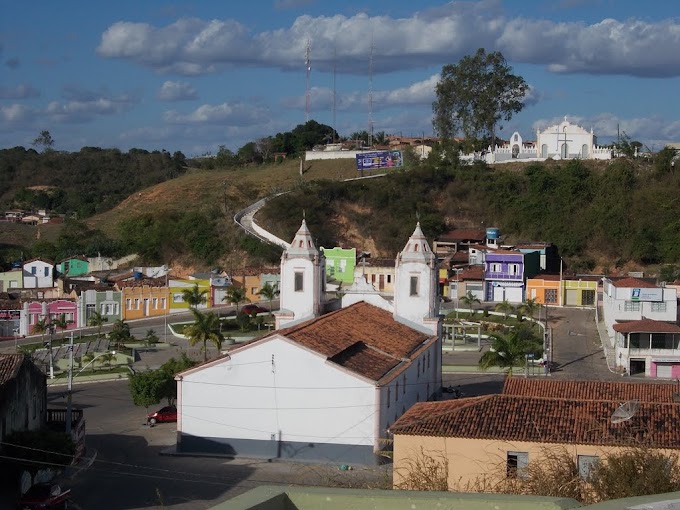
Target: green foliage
509	351
147	388
39	446
206	328
151	338
168	371
236	296
475	94
120	333
194	297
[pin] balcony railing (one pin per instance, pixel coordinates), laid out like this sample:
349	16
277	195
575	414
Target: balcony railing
489	275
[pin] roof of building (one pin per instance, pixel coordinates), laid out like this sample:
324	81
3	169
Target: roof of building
547	277
630	282
532	246
371	262
646	326
76	257
9	367
505	251
658	392
542	420
39	259
463	234
470	273
362	338
142	282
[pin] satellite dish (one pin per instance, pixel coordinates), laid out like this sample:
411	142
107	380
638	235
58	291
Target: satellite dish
625	411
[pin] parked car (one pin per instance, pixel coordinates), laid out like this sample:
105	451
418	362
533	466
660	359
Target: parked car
44	495
167	413
250	309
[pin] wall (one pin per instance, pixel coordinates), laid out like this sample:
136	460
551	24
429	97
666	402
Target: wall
251	283
340	263
275	398
23	401
145	294
11	280
177	303
536	288
573	291
39	279
324	155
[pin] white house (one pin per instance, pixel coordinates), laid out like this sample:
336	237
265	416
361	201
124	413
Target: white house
326	387
648	347
38	274
632	299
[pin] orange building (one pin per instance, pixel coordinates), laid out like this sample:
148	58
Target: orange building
146	297
544	289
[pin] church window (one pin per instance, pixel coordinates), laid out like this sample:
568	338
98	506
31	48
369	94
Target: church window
298	282
414	286
301	243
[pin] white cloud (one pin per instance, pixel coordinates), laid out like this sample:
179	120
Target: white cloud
22	91
236	113
193	46
176	91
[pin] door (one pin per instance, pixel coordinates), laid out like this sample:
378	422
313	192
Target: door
513	294
664	370
572	297
146	307
498	294
381	282
544	150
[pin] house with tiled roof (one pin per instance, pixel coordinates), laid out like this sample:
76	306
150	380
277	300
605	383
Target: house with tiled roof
23	395
505	274
648	347
494	436
633	299
38	273
323	386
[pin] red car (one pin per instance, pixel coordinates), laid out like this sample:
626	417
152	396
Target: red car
167	413
251	309
44	495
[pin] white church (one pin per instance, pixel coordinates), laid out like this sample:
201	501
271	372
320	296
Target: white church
560	141
336	373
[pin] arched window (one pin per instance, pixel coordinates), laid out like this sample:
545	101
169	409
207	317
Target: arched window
584	151
515	151
544	150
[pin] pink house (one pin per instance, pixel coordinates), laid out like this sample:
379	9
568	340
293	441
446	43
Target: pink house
34	311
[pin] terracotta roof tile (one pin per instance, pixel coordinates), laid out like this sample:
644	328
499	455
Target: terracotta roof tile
646	326
471	273
633	283
543	420
362	337
142	282
463	234
591	390
9	367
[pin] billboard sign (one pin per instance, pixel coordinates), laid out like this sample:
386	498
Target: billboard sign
379	159
644	294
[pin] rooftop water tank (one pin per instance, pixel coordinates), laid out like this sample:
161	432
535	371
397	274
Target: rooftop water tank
492	233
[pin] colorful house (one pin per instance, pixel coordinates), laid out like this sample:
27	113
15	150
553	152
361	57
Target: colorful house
378	272
544	289
505	272
580	291
250	281
12	279
177	287
99	298
34	311
648	347
38	273
145	297
470	279
340	263
73	266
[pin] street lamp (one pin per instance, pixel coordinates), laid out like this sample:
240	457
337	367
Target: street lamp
50	327
16	340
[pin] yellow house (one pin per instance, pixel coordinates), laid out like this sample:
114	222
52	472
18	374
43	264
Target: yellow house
177	303
250	282
580	291
147	297
485	439
378	272
545	289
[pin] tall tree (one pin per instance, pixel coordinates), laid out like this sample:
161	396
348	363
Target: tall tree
120	333
269	292
97	320
236	295
206	328
194	297
530	307
45	140
475	94
510	351
61	323
505	308
40	328
469	299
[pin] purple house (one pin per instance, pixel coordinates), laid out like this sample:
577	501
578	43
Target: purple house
505	274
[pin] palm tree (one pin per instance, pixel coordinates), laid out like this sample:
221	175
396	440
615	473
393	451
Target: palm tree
106	359
510	351
61	323
470	299
120	333
206	328
505	308
236	295
86	359
269	292
40	328
97	320
529	308
194	297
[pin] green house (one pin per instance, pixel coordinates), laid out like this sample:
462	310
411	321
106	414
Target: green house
73	266
340	263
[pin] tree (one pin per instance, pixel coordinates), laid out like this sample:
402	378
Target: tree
40	328
475	94
61	323
120	333
206	328
530	307
469	299
106	359
151	337
146	388
505	308
97	320
86	359
510	351
169	370
45	140
194	297
236	295
269	292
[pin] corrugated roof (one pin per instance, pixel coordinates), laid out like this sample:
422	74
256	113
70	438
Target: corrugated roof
543	420
646	326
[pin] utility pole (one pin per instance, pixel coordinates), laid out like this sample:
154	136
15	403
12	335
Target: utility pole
69	398
51	326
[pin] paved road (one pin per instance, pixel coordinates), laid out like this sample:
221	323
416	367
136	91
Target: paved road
129	471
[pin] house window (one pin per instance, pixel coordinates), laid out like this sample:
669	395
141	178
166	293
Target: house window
128	304
136	304
389	278
414	286
47	271
662	341
177	298
517	463
298	282
631	306
495	268
154	303
253	290
34	270
372	278
659	307
588	297
551	296
585	464
164	303
513	269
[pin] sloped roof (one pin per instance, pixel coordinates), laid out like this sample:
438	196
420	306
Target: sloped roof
142	282
630	282
463	234
362	338
591	390
470	273
542	420
9	367
646	326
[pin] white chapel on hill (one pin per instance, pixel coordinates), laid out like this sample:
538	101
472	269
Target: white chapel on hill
332	378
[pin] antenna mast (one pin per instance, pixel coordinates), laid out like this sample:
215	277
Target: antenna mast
335	66
370	95
308	70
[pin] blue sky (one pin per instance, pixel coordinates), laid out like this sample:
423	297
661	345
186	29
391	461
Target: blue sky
193	76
